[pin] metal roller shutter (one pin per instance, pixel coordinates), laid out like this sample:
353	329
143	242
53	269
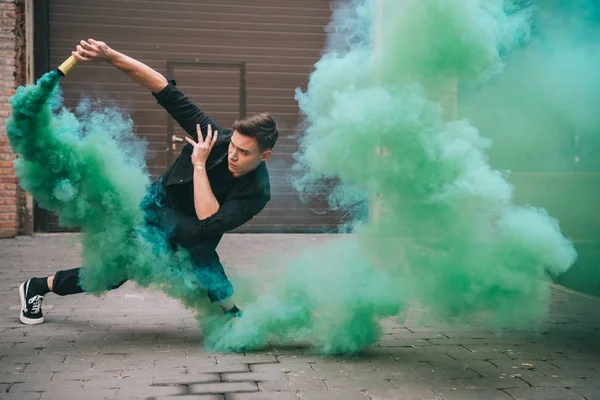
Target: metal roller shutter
229	56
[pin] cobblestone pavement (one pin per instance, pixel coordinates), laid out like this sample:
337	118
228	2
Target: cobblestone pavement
138	344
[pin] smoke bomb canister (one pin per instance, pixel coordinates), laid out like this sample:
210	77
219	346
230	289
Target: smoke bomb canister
65	67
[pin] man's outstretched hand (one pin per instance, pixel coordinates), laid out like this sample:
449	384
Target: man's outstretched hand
92	50
203	147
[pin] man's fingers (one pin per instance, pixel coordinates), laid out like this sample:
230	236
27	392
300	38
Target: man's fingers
214	139
208	134
199	132
84	53
78	56
89	47
191	141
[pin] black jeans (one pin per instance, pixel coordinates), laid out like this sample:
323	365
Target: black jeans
178	229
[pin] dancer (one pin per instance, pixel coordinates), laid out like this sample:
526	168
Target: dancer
219	182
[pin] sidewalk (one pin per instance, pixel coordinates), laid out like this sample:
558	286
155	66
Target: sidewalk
139	344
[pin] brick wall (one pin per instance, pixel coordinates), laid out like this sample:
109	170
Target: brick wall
11	74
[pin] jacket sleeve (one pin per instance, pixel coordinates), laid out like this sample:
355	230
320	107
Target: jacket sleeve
184	111
232	214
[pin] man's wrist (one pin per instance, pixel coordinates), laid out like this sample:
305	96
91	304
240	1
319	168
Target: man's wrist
113	57
200	167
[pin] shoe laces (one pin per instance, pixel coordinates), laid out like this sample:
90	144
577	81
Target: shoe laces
36	303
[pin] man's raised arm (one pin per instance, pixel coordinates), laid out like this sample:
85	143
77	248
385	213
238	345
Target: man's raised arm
92	50
186	113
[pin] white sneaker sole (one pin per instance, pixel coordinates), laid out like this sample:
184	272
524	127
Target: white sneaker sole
24	319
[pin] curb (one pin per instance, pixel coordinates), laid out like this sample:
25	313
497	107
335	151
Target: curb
574	292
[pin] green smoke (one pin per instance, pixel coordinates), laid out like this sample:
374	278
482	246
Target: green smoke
89	169
541	114
435	222
443	228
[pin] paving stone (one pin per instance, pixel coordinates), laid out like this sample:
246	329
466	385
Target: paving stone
590	392
223	387
576	364
116	383
283	385
395	342
334	370
26	377
590	374
403	394
403	335
191	397
262	396
216	369
254	376
286	368
358	383
167	377
246	359
422	384
555	380
46	386
308	358
545	355
454	373
583	355
468	334
476	394
80	394
439	360
534	393
501	382
25	396
333	395
523	364
143	391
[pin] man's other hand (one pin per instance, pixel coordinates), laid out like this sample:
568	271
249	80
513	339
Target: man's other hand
203	147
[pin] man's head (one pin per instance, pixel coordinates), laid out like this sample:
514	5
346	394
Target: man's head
252	141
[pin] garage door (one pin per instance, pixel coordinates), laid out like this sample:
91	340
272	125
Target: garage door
233	57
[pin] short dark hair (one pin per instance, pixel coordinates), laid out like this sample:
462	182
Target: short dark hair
261	127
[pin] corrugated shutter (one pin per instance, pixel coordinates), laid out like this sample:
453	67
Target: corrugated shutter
279	41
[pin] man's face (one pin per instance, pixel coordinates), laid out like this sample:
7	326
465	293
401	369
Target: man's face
244	154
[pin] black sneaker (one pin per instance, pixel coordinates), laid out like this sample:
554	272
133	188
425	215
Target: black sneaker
31	305
235	312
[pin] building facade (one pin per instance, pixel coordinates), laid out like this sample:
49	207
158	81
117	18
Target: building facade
232	57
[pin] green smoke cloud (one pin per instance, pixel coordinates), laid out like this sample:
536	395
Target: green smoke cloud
89	169
435	222
541	115
443	227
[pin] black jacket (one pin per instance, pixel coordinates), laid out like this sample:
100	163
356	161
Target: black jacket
248	195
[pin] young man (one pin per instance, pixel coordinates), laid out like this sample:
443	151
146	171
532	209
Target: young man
218	182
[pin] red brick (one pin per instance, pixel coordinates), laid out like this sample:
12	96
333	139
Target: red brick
8	179
10	216
8	201
6	164
9	224
7	209
7	171
8	187
8	233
